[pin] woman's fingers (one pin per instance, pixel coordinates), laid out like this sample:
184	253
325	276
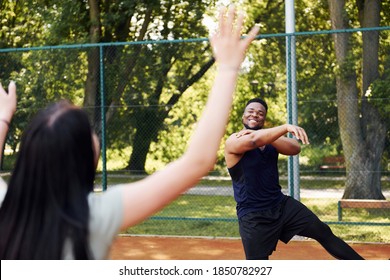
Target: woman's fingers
230	18
251	36
221	21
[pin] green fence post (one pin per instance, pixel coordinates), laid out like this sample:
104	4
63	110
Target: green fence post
103	117
339	213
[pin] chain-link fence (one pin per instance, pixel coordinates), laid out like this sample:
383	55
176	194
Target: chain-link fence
144	98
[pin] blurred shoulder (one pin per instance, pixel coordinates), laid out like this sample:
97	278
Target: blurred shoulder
3	189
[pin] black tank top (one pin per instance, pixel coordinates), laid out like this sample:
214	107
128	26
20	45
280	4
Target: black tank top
256	181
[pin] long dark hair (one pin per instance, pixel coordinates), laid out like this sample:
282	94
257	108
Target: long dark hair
46	201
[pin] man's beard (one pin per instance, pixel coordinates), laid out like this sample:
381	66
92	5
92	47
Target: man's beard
252	128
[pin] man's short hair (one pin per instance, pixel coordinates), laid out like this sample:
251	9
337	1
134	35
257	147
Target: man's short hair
257	100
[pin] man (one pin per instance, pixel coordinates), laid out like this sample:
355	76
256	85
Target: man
265	214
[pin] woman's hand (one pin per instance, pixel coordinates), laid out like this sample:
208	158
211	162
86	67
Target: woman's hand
7	102
228	47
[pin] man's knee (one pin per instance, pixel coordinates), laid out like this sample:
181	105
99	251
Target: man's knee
317	230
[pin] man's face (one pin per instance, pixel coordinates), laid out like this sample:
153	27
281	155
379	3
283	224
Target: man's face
254	116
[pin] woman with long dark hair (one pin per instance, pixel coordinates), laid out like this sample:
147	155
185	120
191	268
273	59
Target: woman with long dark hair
50	210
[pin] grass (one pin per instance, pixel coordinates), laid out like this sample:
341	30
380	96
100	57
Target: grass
210	209
215	216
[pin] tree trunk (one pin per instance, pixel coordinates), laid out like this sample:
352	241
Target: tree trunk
92	82
374	128
362	148
131	63
370	17
148	124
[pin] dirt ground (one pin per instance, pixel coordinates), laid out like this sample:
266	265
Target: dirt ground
183	248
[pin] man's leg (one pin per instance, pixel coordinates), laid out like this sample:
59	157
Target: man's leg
259	239
300	220
334	245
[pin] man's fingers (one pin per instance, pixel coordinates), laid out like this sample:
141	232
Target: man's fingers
303	136
300	134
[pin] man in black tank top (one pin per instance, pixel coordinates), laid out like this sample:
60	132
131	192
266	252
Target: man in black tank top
264	213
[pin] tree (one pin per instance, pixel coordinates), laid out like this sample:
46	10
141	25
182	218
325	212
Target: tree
20	26
314	72
144	81
362	129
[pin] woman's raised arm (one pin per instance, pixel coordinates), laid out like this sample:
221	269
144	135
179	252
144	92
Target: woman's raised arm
147	196
7	110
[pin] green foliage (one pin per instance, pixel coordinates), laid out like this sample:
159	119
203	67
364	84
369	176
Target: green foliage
68	22
316	154
152	78
22	23
179	124
380	89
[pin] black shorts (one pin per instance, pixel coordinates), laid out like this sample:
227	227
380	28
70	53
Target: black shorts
260	231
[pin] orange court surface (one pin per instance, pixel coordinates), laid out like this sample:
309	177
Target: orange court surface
196	248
